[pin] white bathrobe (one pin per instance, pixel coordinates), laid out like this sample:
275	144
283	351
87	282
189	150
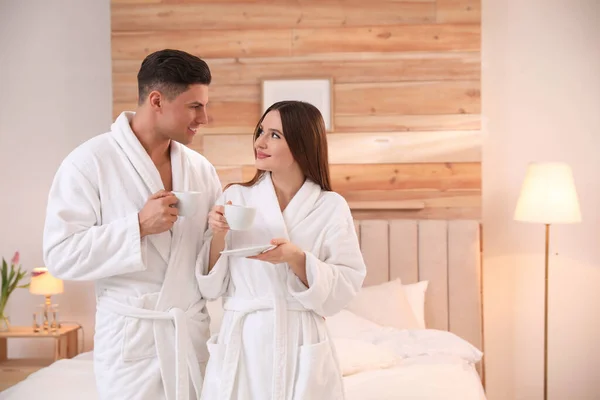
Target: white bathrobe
151	323
273	343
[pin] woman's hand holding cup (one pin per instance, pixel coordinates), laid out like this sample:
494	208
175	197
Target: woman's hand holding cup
217	221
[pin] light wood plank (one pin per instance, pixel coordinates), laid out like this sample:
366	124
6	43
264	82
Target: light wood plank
459	11
404	147
387	205
423	176
234	2
366	148
451	204
433	267
234	116
118	108
239	149
230	117
431	198
264	2
454	213
464	280
404	263
128	93
248	113
342	67
365	123
422	37
256	15
205	44
115	2
403	178
416	98
375	249
229	175
248	172
398	123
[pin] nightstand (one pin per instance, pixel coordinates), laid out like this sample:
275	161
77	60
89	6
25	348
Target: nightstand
66	345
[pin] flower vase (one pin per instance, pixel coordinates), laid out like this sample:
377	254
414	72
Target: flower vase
4	322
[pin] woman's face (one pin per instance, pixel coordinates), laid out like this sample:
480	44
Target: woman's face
272	151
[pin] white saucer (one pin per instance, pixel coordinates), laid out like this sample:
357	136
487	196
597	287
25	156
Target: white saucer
248	251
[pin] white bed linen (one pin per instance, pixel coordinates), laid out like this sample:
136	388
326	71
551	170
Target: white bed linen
423	378
433	377
429	365
68	379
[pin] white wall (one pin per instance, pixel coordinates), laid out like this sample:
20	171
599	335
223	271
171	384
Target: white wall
55	82
541	101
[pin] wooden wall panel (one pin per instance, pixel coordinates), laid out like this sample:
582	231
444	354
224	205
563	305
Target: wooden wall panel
464	265
353	67
430	37
406	87
404	147
408	98
374	240
208	44
433	267
366	148
404	251
385	123
254	15
417	176
458	11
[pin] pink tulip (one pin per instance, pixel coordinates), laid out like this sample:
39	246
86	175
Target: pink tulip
15	259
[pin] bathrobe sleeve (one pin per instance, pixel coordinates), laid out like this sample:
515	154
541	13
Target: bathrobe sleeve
75	246
336	279
212	284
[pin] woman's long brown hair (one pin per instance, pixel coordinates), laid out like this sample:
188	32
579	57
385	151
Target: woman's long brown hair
305	134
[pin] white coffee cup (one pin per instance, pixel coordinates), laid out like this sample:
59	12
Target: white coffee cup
239	218
187	203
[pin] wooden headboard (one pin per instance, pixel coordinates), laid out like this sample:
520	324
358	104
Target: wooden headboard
447	253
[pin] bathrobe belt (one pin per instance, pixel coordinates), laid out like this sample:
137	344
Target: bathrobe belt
186	360
244	307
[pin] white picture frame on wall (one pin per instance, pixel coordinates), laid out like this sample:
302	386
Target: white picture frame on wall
316	91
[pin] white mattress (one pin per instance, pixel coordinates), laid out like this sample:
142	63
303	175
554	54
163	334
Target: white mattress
424	377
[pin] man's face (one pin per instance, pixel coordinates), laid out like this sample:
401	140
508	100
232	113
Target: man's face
180	118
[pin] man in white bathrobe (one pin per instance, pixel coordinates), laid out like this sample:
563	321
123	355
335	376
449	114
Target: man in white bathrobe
112	218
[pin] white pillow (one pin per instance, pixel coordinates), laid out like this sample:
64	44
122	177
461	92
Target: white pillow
385	304
431	342
415	294
346	324
356	356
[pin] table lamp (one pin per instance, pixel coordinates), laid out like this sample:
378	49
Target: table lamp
548	196
43	283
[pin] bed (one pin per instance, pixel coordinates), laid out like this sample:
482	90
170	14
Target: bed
414	331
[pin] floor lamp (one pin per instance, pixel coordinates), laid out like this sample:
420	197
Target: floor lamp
548	196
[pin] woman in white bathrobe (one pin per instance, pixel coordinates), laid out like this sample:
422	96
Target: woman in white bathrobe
273	343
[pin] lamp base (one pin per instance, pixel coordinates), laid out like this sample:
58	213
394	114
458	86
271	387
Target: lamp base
46	321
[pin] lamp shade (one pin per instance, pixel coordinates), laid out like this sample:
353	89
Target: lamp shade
548	195
43	283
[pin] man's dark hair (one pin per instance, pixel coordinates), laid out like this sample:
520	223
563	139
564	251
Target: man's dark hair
171	72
